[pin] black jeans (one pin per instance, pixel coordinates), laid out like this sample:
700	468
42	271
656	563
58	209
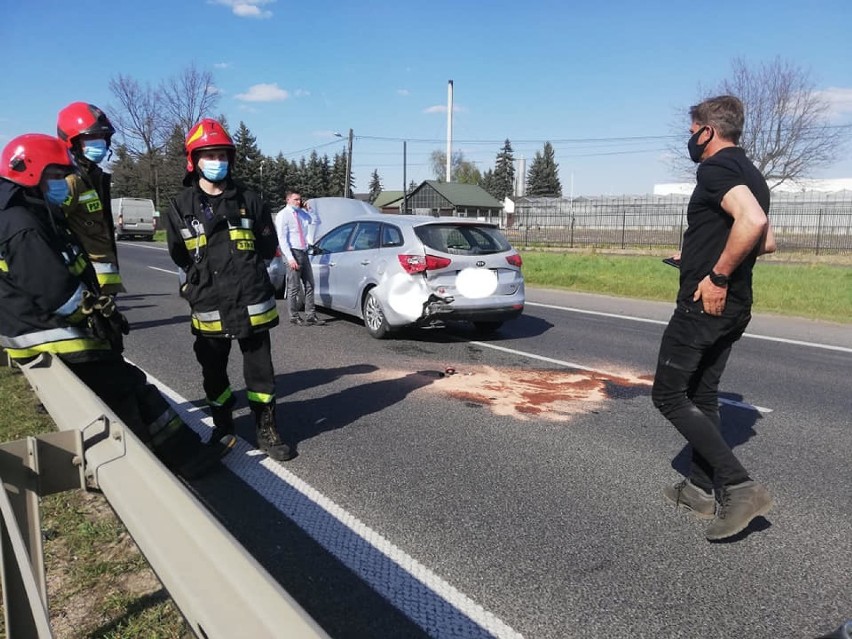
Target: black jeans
693	355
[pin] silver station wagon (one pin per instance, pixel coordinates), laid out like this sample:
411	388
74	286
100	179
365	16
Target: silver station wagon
411	270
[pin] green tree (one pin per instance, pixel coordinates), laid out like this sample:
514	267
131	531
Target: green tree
246	169
487	181
312	184
375	186
325	169
172	166
467	174
461	170
337	182
503	179
126	181
543	176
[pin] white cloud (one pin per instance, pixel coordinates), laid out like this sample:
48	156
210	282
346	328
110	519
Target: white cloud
442	108
222	65
246	8
263	93
301	93
404	92
839	101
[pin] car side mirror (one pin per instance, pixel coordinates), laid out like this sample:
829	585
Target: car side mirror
313	249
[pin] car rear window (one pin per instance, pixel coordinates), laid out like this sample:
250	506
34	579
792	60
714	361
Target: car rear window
462	239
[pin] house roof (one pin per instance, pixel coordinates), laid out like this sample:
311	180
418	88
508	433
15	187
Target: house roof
387	198
467	195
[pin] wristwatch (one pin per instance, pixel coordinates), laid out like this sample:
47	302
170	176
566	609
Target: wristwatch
718	279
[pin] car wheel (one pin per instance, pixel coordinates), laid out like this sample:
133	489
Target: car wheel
374	317
487	328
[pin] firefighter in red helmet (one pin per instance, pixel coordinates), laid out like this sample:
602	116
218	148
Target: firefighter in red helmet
219	234
50	302
87	133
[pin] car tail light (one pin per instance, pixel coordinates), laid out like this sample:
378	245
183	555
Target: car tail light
515	260
412	263
433	263
277	251
419	263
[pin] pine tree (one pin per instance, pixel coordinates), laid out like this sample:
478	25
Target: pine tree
337	183
172	168
375	186
543	177
325	169
246	167
312	178
126	179
487	181
503	179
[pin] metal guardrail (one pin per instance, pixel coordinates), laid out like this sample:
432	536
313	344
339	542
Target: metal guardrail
219	588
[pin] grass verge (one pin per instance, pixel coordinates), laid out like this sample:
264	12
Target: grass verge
99	585
812	290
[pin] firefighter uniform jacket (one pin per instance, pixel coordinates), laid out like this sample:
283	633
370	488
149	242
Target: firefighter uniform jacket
221	243
89	212
43	273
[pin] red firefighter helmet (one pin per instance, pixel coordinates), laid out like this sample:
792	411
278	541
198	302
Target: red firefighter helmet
25	157
80	118
207	134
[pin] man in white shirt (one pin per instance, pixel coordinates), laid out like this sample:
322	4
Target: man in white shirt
296	229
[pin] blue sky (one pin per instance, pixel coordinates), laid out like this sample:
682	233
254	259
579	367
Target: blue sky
604	81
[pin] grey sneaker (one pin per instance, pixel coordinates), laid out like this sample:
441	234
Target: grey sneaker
688	496
738	505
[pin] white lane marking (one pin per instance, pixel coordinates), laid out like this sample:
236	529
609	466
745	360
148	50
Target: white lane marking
438	608
145	246
599	371
164	270
781	340
598	313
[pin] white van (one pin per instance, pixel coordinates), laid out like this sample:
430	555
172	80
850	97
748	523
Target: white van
133	217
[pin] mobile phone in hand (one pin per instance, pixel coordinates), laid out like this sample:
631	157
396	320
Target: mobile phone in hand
672	262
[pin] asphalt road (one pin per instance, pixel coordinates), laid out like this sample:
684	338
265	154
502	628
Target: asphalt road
521	495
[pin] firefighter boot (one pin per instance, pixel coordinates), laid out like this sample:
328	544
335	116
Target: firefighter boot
186	456
223	431
268	439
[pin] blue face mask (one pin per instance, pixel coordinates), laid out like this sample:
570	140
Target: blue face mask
57	191
215	170
95	150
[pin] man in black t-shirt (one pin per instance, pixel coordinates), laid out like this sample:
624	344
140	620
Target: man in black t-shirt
727	229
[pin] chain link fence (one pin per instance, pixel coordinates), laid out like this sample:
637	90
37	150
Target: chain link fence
817	223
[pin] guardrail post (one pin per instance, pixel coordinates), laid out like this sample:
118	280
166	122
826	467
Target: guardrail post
31	468
220	589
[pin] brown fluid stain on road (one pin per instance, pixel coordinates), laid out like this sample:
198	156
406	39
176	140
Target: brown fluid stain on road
551	395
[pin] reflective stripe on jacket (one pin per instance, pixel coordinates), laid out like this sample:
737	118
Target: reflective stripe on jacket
221	242
44	269
89	213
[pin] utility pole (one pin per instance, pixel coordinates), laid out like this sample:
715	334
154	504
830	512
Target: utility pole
349	167
404	178
449	131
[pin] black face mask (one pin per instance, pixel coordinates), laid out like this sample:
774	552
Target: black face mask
697	150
